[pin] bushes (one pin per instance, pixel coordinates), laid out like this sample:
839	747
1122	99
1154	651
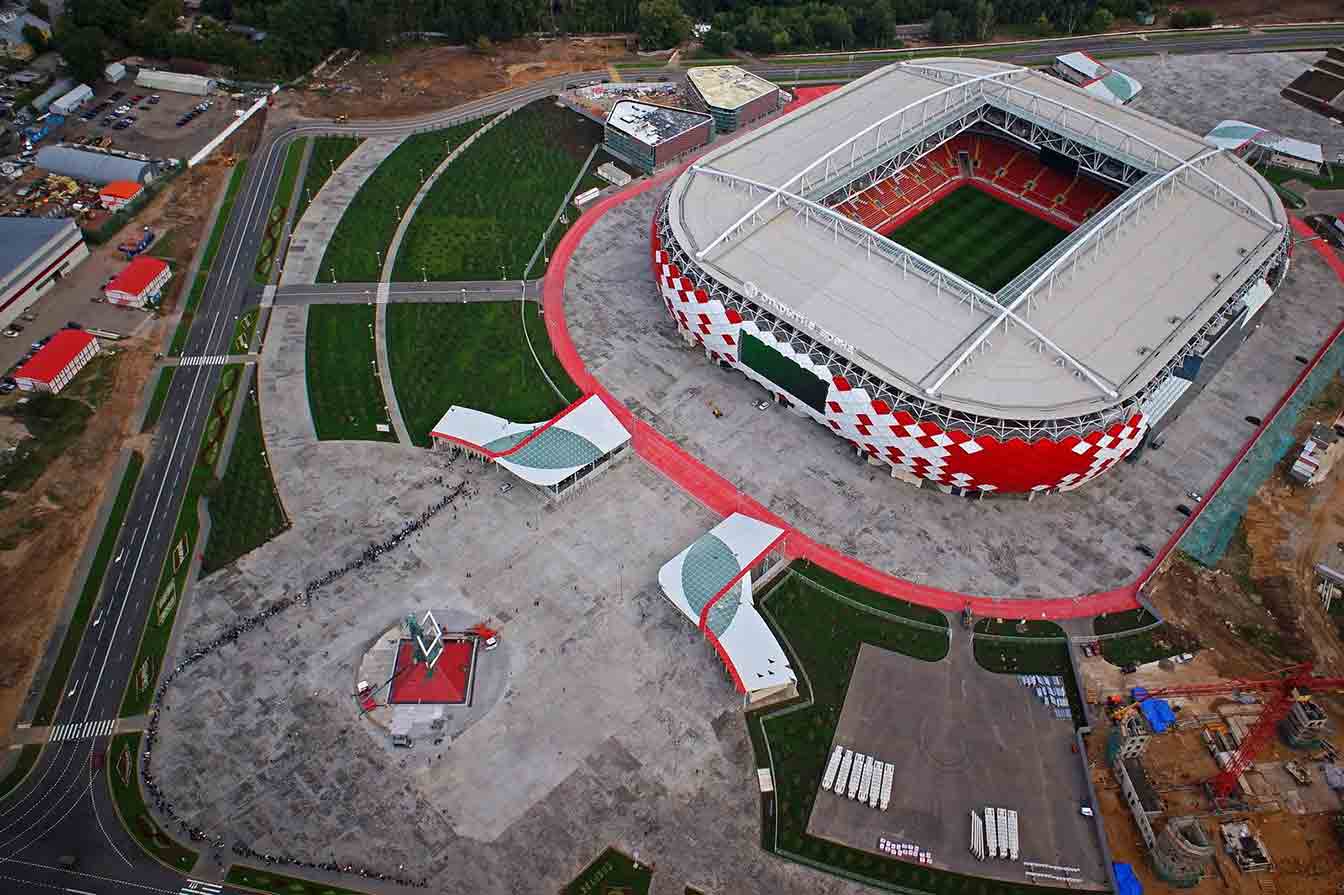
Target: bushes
1192	18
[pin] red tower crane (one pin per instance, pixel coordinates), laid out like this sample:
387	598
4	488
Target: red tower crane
1285	688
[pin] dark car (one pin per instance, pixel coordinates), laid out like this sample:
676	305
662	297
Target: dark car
1328	227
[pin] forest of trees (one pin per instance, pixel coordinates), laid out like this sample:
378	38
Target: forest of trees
301	32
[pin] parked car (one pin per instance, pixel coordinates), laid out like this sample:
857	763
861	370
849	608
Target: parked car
154	100
1328	227
7	387
122	109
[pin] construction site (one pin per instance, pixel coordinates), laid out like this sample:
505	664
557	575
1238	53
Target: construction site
1225	785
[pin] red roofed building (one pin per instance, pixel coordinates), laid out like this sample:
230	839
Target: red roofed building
139	282
119	193
57	362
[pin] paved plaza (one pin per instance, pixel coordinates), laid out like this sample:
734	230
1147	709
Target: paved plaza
961	738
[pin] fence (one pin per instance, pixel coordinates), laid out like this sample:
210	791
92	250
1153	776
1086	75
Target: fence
223	135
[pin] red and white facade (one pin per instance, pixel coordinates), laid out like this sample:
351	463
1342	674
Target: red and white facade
138	283
58	362
924	447
118	194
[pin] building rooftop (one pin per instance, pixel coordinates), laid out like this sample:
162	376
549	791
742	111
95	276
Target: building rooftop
55	356
727	86
96	167
1143	292
137	276
20	238
651	124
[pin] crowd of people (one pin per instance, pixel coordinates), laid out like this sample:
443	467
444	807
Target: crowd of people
311	592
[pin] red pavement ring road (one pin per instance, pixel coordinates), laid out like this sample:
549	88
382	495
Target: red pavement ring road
721	496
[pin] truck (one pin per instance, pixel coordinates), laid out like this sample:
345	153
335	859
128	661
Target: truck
132	247
43	128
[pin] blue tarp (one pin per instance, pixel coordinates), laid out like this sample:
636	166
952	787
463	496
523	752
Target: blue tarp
1159	714
1126	882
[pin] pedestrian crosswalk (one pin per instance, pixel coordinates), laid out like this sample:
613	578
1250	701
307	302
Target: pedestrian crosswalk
205	360
200	887
81	731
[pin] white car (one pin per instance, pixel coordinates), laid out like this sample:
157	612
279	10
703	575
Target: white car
506	488
122	110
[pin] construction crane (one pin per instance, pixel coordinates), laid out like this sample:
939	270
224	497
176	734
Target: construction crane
1288	686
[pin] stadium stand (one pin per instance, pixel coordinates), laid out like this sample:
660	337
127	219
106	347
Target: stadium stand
993	165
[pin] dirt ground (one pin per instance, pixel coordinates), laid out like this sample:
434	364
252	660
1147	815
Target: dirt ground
424	79
59	509
1268	12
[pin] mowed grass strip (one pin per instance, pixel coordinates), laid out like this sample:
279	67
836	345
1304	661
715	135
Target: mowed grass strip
327	155
366	228
245	508
978	237
488	210
270	881
473	355
345	396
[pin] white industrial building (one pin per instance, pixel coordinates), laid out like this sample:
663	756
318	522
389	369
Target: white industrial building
114	72
175	82
72	101
35	253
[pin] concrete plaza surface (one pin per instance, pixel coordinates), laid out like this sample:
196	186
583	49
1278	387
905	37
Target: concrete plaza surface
617	726
961	738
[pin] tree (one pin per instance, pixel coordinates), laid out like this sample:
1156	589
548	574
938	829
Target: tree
977	19
662	24
85	53
943	28
719	43
40	9
1070	16
1043	27
1102	19
35	37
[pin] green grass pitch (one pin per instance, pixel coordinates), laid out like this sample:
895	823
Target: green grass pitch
978	237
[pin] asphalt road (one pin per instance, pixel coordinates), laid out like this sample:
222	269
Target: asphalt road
63	807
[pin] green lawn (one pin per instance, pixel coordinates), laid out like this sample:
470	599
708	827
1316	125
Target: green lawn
366	228
1278	176
612	873
269	881
185	543
275	220
156	400
978	237
344	394
491	206
243	331
245	508
327	155
208	258
1157	643
123	757
823	635
27	758
88	596
473	355
54	421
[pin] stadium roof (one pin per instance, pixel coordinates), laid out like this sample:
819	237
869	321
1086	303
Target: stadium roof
542	454
710	583
55	356
727	86
1133	296
652	124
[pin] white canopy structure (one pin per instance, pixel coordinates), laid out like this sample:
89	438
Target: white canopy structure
710	582
1245	139
553	455
1099	80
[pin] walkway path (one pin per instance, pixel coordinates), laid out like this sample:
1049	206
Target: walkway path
443	293
315	229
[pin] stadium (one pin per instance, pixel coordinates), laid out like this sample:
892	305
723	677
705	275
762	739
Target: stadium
981	276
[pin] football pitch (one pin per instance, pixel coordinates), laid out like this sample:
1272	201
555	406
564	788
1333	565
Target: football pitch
978	237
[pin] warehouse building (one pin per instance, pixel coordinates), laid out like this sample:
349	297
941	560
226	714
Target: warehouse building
57	362
139	283
94	167
175	82
72	101
35	253
57	90
114	72
734	96
649	136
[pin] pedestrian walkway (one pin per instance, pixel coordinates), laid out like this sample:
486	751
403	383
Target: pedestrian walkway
314	230
81	731
210	360
201	887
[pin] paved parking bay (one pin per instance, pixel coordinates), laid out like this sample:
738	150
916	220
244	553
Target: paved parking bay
961	738
155	132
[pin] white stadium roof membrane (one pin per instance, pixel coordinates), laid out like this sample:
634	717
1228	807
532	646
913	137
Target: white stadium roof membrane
1092	324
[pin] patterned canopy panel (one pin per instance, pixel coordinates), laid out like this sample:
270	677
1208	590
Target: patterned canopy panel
556	448
708	567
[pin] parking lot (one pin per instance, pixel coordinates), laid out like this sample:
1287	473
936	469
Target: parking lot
154	130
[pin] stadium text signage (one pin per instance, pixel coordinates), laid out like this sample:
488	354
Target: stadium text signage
825	335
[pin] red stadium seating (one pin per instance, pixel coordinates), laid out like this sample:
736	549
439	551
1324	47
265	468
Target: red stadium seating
996	166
